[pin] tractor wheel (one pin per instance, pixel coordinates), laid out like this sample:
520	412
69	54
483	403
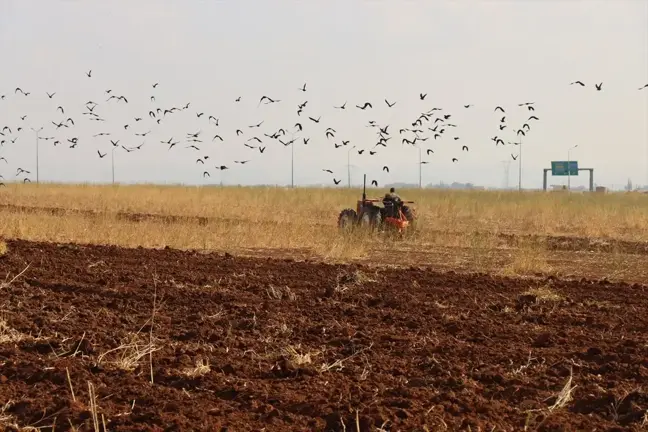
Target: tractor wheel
410	215
347	219
371	218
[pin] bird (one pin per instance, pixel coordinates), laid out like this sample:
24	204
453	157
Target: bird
306	141
533	118
374	183
580	83
641	88
455	160
521	132
467	106
257	125
499	108
20	170
270	100
360	151
50	95
122	98
372	152
89	73
238	99
242	162
390	104
385	168
26	180
464	148
514	157
363	107
222	167
18	89
155	85
206	174
101	155
328	171
337	182
61	109
303	88
343	106
261	149
69	120
598	86
114	143
201	161
428	151
315	120
217	136
422	96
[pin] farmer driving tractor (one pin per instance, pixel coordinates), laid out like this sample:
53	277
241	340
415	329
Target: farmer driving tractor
392	201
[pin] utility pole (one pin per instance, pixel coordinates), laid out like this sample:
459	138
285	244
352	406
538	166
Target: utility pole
507	166
112	163
292	160
37	139
420	169
520	168
568	166
349	167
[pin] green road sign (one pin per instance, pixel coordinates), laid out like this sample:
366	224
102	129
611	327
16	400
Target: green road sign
559	168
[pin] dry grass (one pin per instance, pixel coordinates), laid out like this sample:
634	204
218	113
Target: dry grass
303	221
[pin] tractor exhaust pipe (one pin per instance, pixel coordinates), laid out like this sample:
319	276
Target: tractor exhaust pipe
364	188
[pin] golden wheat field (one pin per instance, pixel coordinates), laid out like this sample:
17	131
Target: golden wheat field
495	231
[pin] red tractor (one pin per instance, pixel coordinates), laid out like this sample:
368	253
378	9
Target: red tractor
393	214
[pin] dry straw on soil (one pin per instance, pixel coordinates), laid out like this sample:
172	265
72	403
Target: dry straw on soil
250	218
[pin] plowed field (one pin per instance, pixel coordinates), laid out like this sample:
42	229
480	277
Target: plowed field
174	340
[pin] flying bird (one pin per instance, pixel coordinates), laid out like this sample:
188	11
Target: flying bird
303	88
390	104
514	157
598	86
641	88
257	125
343	106
499	108
385	168
315	120
337	182
89	73
422	96
101	155
363	107
50	95
374	183
455	160
580	83
464	148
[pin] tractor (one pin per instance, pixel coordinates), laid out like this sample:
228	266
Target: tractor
392	215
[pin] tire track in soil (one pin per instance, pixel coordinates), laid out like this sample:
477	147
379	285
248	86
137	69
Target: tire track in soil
418	347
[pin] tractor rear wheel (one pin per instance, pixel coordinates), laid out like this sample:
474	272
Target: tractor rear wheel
372	218
410	215
347	219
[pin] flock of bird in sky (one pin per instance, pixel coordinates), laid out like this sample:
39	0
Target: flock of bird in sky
432	123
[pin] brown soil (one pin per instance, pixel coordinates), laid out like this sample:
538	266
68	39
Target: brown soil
309	346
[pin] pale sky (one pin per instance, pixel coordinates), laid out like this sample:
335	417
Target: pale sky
485	53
